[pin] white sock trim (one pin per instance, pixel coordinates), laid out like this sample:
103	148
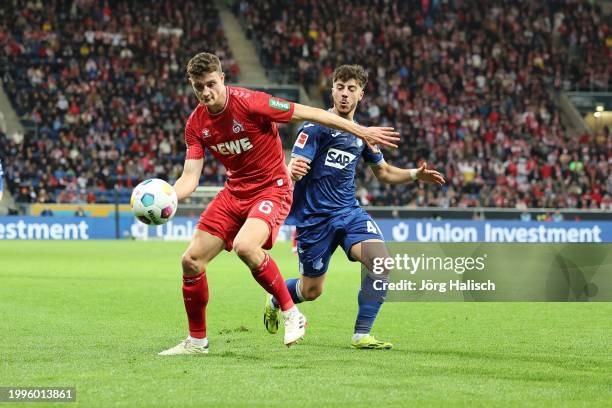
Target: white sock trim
359	336
293	309
298	291
198	342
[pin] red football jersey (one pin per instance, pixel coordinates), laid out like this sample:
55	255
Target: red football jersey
244	137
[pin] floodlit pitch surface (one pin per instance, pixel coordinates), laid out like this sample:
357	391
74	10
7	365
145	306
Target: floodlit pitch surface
94	315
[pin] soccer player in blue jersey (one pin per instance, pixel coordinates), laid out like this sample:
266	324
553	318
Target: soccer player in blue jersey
326	212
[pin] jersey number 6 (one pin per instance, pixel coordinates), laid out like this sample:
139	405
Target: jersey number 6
266	207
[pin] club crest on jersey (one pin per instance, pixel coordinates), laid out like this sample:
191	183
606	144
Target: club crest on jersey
338	159
233	146
205	133
301	140
237	128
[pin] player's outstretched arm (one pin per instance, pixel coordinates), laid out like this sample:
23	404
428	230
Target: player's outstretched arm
373	135
389	174
189	180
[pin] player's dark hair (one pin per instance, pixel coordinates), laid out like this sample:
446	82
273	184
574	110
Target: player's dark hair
203	63
345	73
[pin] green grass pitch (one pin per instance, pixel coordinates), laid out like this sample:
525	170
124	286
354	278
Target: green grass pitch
94	315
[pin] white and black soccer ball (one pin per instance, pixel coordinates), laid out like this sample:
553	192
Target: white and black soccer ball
154	202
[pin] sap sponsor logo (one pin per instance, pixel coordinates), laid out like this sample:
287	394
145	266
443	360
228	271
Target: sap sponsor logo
34	230
233	146
338	159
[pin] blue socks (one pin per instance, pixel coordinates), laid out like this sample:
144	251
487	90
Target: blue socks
370	300
294	291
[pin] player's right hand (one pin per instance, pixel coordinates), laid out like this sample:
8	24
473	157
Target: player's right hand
298	168
385	136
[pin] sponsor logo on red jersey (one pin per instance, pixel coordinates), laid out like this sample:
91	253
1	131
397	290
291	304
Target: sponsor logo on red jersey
277	104
233	146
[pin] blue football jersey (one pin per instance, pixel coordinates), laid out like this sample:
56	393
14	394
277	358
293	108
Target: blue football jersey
329	187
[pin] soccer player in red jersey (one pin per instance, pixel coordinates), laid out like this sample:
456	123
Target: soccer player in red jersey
238	127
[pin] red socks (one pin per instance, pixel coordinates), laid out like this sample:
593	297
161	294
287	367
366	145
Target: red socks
195	296
269	277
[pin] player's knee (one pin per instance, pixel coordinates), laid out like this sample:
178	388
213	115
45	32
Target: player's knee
312	292
191	265
245	250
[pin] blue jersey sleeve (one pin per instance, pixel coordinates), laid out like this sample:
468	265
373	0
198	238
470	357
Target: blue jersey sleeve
307	141
373	157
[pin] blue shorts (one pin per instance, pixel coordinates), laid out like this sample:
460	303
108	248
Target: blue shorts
317	243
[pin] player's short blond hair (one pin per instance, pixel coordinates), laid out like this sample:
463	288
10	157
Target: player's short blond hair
345	73
203	63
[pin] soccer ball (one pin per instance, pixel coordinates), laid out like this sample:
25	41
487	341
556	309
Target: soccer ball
154	202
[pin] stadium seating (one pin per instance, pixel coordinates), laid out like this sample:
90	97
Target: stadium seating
105	92
468	85
466	82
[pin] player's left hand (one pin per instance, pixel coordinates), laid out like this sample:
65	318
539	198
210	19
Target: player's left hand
385	136
298	168
429	176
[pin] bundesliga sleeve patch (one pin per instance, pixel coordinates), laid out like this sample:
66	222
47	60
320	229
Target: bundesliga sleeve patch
280	105
301	140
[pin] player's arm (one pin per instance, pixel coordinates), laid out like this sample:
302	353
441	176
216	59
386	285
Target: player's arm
194	162
389	174
371	135
190	178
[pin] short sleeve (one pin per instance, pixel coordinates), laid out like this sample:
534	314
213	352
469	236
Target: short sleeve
307	141
270	108
195	150
373	157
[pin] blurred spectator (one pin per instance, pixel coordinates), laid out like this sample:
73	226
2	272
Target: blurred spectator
80	212
104	89
46	212
466	83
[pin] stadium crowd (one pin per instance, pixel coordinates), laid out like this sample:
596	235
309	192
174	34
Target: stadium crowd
105	88
466	82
